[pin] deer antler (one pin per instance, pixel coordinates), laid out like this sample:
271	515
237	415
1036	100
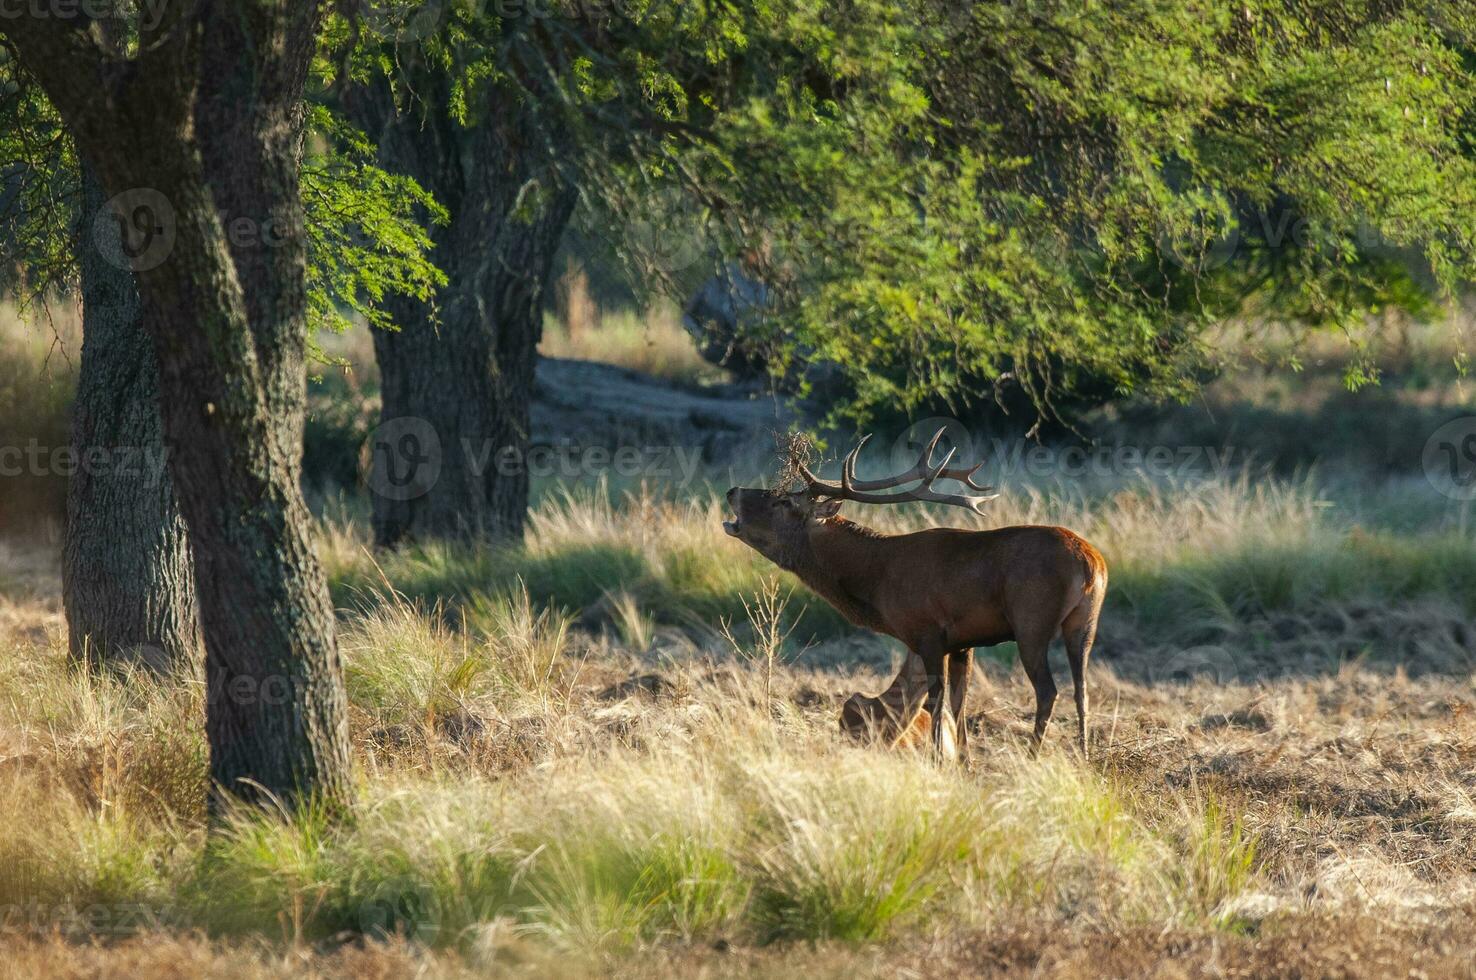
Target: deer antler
850	488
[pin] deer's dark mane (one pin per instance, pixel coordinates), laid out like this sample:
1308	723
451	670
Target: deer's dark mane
860	530
799	557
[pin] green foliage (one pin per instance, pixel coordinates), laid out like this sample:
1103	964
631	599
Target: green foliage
38	188
366	236
1063	195
955	200
950	200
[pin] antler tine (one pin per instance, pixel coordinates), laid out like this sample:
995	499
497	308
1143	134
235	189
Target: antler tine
851	456
851	489
848	468
937	471
920	470
967	479
925	491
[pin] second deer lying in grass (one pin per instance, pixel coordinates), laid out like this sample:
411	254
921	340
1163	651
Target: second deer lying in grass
895	718
940	591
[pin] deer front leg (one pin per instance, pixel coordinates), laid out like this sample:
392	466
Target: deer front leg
960	668
934	658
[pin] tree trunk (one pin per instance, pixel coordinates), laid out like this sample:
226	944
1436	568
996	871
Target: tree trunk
203	133
127	577
449	458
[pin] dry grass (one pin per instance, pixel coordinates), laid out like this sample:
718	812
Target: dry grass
653	343
566	768
557	778
38	373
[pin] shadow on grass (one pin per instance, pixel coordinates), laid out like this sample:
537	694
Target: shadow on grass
1251	611
676	591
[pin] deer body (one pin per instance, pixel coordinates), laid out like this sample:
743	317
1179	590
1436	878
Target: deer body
960	588
941	591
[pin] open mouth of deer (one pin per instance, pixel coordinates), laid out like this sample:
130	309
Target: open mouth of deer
731	527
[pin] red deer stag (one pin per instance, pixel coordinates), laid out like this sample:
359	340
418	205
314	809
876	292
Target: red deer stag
941	591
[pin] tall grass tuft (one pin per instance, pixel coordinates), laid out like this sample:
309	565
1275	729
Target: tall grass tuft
408	665
1219	857
857	849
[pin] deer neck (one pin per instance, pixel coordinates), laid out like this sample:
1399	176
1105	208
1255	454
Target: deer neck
838	560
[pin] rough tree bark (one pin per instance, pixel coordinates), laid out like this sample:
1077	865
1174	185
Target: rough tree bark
127	577
456	393
198	139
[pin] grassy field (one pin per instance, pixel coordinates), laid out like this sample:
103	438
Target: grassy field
593	753
564	766
654	343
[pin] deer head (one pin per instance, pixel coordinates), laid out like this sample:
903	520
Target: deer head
775	522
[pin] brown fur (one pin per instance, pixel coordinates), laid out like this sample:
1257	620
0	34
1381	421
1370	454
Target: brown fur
941	591
867	718
884	718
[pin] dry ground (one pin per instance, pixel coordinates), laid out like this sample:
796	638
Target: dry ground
1285	806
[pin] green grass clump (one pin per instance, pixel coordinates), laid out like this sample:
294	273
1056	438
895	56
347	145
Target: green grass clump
667	557
1224	591
856	851
749	825
1219	859
406	665
626	851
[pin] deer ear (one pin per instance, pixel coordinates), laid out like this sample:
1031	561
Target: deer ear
828	508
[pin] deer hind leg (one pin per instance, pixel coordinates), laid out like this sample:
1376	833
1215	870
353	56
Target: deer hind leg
960	669
1079	630
1033	649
